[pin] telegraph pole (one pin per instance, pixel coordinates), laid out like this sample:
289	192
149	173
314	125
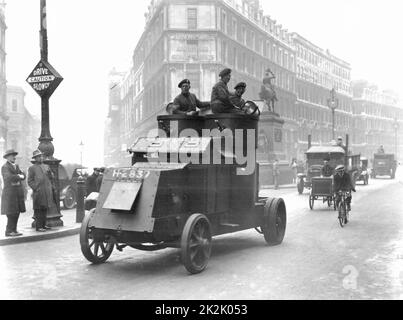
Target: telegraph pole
44	79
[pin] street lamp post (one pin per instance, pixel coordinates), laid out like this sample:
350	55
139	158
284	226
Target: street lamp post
44	79
81	153
333	104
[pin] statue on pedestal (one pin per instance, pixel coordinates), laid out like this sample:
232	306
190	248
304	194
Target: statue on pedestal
267	93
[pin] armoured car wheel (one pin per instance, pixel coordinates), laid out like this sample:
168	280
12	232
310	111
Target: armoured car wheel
196	243
274	221
70	200
93	251
300	186
311	202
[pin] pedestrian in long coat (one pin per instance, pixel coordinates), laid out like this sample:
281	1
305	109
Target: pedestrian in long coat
40	180
12	198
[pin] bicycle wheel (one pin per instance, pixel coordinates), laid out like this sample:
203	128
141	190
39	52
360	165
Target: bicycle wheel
342	214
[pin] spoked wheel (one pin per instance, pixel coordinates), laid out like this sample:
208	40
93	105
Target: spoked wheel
70	200
274	221
196	243
311	202
342	215
95	252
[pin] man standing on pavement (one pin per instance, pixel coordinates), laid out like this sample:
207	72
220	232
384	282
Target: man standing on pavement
40	180
12	199
276	173
91	182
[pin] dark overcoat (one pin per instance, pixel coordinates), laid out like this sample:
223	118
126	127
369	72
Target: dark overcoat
187	103
40	180
12	198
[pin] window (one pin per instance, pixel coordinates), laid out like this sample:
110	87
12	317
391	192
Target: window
14	105
234	28
243	35
192	49
192	18
224	52
224	22
194	78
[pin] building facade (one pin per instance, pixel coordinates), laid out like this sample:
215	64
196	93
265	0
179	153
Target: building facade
377	120
23	128
113	128
3	81
196	39
317	73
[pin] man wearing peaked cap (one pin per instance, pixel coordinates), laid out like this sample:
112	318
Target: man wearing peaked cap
220	95
12	198
236	98
187	103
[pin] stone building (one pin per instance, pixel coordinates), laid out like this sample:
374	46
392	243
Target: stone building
23	129
3	81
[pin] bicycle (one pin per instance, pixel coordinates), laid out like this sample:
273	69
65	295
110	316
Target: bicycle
342	207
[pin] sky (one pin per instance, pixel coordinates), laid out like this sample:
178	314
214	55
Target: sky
87	38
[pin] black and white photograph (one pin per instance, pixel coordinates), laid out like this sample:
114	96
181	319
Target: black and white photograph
201	150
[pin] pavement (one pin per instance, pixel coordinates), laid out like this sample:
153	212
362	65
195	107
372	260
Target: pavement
29	234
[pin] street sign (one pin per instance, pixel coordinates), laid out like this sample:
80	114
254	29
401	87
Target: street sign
44	79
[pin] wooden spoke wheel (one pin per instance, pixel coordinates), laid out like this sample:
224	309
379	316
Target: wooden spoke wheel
94	251
274	221
70	199
311	202
196	243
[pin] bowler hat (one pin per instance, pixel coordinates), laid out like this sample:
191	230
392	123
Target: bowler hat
9	153
183	82
225	72
36	153
240	85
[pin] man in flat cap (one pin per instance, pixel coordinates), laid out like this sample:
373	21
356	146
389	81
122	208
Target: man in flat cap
236	98
220	95
91	182
12	199
41	181
186	102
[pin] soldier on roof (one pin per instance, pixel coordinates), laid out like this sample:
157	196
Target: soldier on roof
187	103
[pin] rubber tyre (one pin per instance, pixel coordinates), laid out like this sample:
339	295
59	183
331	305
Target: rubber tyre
196	243
274	221
69	201
87	243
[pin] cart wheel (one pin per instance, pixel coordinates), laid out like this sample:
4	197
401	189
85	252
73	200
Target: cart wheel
311	202
94	252
70	200
274	221
300	186
196	243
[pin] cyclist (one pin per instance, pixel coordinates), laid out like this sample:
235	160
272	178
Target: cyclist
342	182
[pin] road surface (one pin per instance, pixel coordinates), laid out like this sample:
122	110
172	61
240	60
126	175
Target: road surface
317	260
